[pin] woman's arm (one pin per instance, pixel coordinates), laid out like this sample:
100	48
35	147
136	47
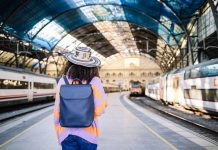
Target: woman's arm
58	128
100	98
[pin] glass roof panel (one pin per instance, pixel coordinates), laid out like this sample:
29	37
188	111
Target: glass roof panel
116	33
29	19
31	12
89	14
50	35
36	28
184	8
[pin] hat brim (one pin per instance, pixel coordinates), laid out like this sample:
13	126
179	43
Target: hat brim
93	62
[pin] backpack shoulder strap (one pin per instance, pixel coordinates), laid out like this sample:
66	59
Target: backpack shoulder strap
65	80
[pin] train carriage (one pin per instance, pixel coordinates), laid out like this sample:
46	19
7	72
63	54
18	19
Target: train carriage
195	86
201	85
153	88
21	86
174	87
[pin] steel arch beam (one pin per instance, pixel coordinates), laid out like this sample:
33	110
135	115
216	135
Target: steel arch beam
184	28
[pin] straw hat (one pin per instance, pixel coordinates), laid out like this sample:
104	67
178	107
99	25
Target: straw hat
82	56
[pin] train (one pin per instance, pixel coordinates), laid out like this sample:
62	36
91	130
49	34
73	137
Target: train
110	88
194	87
136	89
19	86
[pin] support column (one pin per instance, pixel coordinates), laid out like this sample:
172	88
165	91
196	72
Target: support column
24	60
215	15
40	67
16	60
181	58
147	46
190	50
45	70
58	73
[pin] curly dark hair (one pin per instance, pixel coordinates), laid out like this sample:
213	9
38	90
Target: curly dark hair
80	72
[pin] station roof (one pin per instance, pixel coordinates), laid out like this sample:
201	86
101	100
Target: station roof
107	26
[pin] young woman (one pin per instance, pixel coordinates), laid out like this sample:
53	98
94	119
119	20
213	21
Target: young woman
82	66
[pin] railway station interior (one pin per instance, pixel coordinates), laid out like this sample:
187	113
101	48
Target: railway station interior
159	70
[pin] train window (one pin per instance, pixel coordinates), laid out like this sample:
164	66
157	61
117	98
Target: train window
205	71
187	74
38	85
202	94
208	71
13	84
195	73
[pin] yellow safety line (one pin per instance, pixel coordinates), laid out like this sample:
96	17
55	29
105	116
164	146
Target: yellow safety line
151	130
10	140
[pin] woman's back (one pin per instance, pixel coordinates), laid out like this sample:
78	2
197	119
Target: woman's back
87	137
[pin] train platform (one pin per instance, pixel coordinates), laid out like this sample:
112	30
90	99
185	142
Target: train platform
124	126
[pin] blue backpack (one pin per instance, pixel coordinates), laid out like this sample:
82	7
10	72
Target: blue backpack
76	105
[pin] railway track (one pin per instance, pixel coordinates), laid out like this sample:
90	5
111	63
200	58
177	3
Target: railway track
197	127
11	113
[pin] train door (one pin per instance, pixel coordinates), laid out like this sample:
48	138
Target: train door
161	89
175	89
30	89
169	89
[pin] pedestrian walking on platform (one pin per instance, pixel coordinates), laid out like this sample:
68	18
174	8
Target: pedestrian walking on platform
80	100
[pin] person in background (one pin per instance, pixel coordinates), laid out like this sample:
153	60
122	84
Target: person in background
82	66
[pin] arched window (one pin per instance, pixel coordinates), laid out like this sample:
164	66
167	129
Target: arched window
107	81
150	74
120	75
157	73
114	74
131	74
143	74
107	74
